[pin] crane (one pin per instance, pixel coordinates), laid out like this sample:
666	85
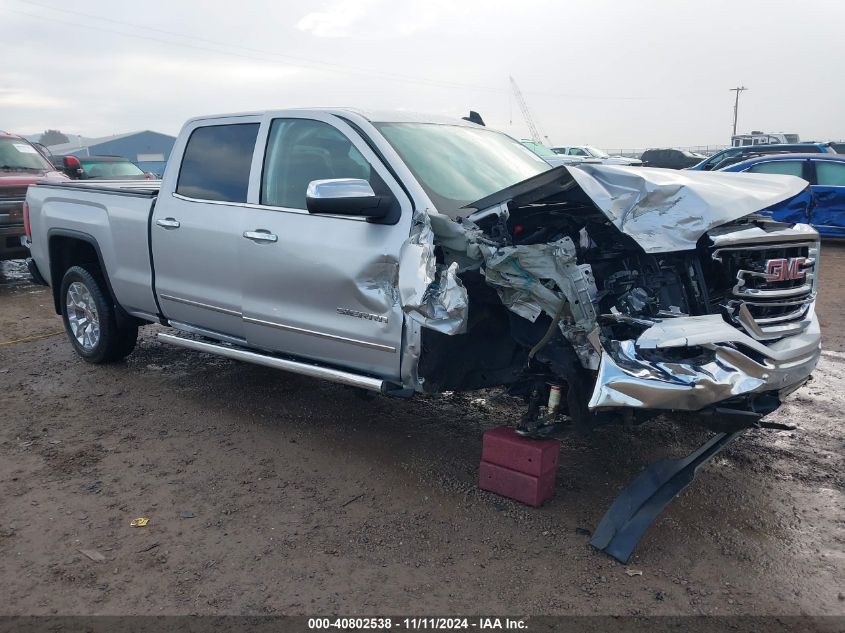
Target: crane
533	128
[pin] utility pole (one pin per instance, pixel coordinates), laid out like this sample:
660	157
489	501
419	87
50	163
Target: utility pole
737	90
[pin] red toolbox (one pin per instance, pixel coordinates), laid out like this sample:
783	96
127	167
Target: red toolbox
518	467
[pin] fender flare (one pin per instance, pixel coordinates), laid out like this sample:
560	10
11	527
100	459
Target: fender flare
123	317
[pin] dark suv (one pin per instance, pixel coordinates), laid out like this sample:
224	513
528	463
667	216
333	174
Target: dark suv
733	155
21	164
670	158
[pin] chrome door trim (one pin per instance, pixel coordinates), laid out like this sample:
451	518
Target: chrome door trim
333	337
198	304
266	207
219	202
306	369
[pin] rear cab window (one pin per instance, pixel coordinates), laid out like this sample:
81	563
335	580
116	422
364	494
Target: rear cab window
216	162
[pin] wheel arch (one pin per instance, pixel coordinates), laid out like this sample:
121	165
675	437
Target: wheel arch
67	248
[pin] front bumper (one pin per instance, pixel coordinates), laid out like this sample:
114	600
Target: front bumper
723	363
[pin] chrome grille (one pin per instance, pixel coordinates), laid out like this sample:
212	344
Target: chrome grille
12	193
772	286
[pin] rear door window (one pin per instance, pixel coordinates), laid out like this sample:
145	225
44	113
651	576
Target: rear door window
783	167
216	162
830	174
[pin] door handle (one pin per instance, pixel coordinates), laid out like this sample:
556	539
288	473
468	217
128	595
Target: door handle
168	223
261	235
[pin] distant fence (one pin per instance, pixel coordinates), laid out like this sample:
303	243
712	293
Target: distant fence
707	150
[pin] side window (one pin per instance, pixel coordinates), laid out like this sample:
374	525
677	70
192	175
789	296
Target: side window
577	151
216	162
302	150
830	174
784	167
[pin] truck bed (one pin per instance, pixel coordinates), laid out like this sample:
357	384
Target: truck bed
113	217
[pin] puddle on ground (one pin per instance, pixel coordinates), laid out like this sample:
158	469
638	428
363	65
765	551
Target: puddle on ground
14	276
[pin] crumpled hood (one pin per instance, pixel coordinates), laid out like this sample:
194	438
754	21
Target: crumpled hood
667	210
663	210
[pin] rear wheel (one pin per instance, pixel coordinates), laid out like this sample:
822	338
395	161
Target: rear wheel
89	318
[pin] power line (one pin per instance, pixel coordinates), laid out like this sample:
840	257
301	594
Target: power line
291	60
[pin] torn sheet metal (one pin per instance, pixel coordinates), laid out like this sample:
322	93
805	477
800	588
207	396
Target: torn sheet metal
530	279
668	210
459	241
536	278
433	297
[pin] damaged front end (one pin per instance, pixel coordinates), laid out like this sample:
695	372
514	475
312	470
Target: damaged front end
610	294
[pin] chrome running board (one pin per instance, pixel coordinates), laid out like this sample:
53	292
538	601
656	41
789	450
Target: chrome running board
306	369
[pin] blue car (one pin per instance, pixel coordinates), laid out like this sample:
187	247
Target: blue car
720	160
824	209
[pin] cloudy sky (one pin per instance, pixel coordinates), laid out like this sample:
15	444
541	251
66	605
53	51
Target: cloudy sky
612	73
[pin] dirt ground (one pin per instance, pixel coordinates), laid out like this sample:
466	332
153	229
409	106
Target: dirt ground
302	498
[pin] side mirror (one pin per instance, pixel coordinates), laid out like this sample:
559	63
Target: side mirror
72	166
345	196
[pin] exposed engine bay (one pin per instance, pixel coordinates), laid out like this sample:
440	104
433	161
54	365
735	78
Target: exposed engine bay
597	295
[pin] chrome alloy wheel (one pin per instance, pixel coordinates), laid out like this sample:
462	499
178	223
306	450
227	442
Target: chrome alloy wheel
82	316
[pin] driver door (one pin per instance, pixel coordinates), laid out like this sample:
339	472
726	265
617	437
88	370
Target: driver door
320	287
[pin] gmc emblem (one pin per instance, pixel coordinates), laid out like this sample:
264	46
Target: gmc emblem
784	269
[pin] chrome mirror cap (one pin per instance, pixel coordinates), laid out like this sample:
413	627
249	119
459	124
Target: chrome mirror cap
333	188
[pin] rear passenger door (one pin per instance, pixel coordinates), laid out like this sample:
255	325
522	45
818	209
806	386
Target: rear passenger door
317	286
196	229
828	183
795	209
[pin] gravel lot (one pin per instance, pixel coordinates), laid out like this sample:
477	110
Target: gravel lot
271	493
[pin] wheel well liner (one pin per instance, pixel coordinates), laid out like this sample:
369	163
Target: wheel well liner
73	248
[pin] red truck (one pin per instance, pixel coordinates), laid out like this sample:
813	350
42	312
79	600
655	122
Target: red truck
21	164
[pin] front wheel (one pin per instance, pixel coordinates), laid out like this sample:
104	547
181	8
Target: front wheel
89	318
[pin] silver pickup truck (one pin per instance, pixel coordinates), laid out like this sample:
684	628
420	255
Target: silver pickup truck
401	253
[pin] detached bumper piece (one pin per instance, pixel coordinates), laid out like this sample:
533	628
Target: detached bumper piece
633	511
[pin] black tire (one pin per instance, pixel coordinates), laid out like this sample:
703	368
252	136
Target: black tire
110	343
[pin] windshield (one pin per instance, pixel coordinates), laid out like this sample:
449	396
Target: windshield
540	150
18	154
457	165
109	169
597	153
